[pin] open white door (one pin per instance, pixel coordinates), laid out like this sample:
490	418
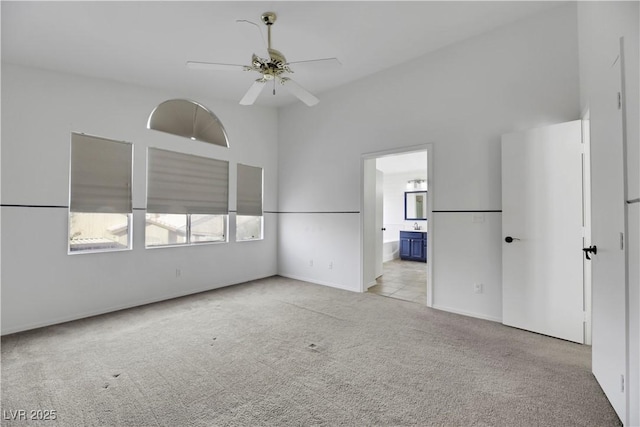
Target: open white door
607	234
542	257
379	221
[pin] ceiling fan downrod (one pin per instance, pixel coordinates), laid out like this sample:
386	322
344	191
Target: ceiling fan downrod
268	18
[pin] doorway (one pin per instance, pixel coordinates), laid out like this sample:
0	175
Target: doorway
392	181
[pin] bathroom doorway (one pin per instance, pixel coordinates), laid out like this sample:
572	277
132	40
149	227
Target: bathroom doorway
397	199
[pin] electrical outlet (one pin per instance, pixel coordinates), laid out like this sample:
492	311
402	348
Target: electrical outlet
477	288
178	272
310	263
331	265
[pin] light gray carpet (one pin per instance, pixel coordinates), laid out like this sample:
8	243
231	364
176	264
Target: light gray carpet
279	352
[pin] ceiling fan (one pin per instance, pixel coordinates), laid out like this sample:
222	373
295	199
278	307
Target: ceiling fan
271	64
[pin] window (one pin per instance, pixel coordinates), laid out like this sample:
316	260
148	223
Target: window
187	199
99	194
248	227
208	228
190	119
249	218
165	229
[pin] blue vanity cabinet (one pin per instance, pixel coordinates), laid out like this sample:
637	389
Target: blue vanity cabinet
413	246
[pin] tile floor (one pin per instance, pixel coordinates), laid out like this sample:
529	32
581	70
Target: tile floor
405	280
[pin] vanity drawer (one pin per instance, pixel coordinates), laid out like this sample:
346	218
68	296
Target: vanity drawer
412	235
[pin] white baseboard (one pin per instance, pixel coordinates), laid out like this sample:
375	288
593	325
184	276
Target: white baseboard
467	313
387	258
317	282
91	313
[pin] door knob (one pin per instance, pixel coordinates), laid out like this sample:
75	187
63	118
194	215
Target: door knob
510	239
593	249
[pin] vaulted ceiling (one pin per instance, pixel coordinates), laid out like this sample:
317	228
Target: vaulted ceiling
148	42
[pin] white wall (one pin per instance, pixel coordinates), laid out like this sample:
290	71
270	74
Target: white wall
461	99
41	284
304	233
600	25
395	185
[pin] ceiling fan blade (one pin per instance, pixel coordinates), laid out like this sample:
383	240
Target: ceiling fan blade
213	66
263	52
299	92
252	94
330	62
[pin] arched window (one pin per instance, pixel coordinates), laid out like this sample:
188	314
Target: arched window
190	119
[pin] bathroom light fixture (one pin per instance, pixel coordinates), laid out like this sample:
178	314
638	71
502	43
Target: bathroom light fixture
417	184
190	119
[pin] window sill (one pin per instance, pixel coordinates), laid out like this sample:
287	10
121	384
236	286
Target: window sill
186	245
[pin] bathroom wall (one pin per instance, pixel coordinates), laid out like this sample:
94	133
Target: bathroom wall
395	185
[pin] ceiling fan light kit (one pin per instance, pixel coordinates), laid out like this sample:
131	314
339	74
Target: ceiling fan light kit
272	68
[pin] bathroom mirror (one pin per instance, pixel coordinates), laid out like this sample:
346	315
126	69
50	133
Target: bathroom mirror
415	205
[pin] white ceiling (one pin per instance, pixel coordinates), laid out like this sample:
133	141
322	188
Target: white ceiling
148	42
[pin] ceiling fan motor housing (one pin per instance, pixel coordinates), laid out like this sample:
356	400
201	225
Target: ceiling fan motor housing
277	57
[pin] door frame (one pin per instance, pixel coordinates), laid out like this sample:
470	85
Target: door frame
586	219
379	224
430	222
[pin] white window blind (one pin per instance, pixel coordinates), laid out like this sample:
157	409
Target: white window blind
100	177
249	190
179	183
